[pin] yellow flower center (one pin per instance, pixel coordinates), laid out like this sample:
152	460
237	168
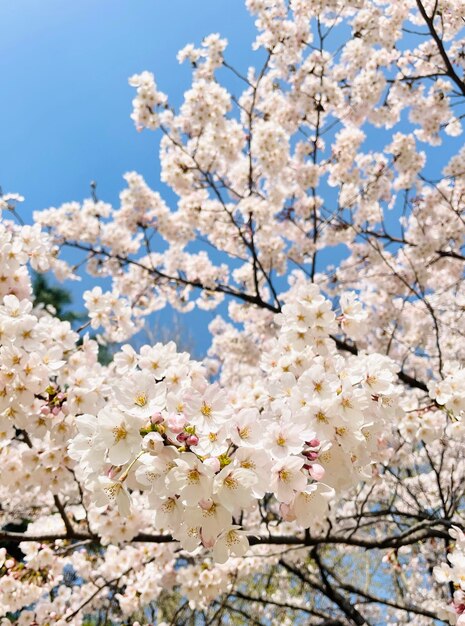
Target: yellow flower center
346	403
321	417
248	464
119	433
230	482
244	432
232	538
141	399
206	410
169	505
113	490
193	476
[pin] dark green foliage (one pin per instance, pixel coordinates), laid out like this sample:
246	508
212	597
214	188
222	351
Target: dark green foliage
60	299
51	295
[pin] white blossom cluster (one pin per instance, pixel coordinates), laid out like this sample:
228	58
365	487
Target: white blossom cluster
450	391
454	572
328	411
165	430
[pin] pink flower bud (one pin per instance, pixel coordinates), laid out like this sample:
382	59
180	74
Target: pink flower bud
156	418
314	443
206	504
311	456
44	410
316	471
56	410
192	440
9	563
213	463
61	396
182	437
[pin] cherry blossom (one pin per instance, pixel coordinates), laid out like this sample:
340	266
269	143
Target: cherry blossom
317	448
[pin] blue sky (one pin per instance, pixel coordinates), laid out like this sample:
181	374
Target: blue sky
66	101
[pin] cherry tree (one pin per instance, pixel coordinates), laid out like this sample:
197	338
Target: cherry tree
310	470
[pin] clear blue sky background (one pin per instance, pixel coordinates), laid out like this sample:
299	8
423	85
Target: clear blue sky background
66	102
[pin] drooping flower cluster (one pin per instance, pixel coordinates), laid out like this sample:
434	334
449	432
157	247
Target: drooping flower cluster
450	391
33	344
454	573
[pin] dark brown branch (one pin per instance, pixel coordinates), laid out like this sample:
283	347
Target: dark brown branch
405	378
326	589
342	602
440	46
64	516
285	605
251	299
409	608
421	532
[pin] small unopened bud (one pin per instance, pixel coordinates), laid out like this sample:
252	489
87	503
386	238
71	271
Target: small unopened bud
44	410
311	456
156	418
314	443
206	504
316	471
192	440
56	410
